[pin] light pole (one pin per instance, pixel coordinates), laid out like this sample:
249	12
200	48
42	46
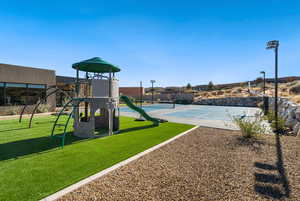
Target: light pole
141	94
141	102
274	44
264	77
152	82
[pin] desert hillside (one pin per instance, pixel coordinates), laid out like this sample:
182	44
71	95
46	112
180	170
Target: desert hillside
289	90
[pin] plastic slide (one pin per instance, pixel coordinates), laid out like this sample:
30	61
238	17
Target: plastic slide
139	110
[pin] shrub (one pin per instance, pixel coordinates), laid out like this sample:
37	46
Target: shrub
295	89
284	94
237	90
296	99
281	122
43	108
281	125
270	116
250	128
213	93
284	89
228	91
220	92
206	94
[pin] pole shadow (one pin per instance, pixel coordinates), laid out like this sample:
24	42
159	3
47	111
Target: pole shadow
264	181
136	128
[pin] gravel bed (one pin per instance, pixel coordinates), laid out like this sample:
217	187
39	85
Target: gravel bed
207	164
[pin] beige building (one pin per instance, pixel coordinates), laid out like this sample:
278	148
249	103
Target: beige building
21	85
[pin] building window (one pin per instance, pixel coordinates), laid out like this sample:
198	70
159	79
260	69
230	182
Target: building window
2	94
15	94
36	92
21	94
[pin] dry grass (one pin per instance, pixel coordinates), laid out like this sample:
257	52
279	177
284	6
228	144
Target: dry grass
207	164
284	94
220	92
296	99
286	90
236	90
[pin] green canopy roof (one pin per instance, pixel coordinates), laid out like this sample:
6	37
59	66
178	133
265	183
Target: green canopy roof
96	65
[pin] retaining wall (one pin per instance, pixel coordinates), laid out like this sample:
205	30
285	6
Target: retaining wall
231	101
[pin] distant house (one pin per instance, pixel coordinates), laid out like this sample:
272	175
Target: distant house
200	88
173	90
134	92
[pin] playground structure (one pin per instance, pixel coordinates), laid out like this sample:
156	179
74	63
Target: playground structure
142	112
53	90
95	105
100	98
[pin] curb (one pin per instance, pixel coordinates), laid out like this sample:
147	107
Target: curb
89	179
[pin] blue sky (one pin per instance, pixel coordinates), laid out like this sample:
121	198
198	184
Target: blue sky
173	42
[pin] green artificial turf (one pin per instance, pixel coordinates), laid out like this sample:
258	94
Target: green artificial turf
33	166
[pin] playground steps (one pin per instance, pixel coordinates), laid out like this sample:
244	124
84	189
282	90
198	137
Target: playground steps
56	124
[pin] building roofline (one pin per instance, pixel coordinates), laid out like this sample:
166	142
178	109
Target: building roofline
19	66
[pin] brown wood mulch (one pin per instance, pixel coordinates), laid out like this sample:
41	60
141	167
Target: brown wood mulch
207	164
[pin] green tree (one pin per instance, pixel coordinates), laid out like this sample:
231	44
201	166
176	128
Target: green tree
188	86
259	80
210	85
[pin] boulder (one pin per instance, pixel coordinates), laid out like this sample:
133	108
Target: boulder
291	112
295	89
297	113
284	116
296	128
290	122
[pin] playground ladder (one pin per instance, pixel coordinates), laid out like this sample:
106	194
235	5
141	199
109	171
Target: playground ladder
62	137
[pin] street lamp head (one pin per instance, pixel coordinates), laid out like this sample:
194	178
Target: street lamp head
272	44
262	72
